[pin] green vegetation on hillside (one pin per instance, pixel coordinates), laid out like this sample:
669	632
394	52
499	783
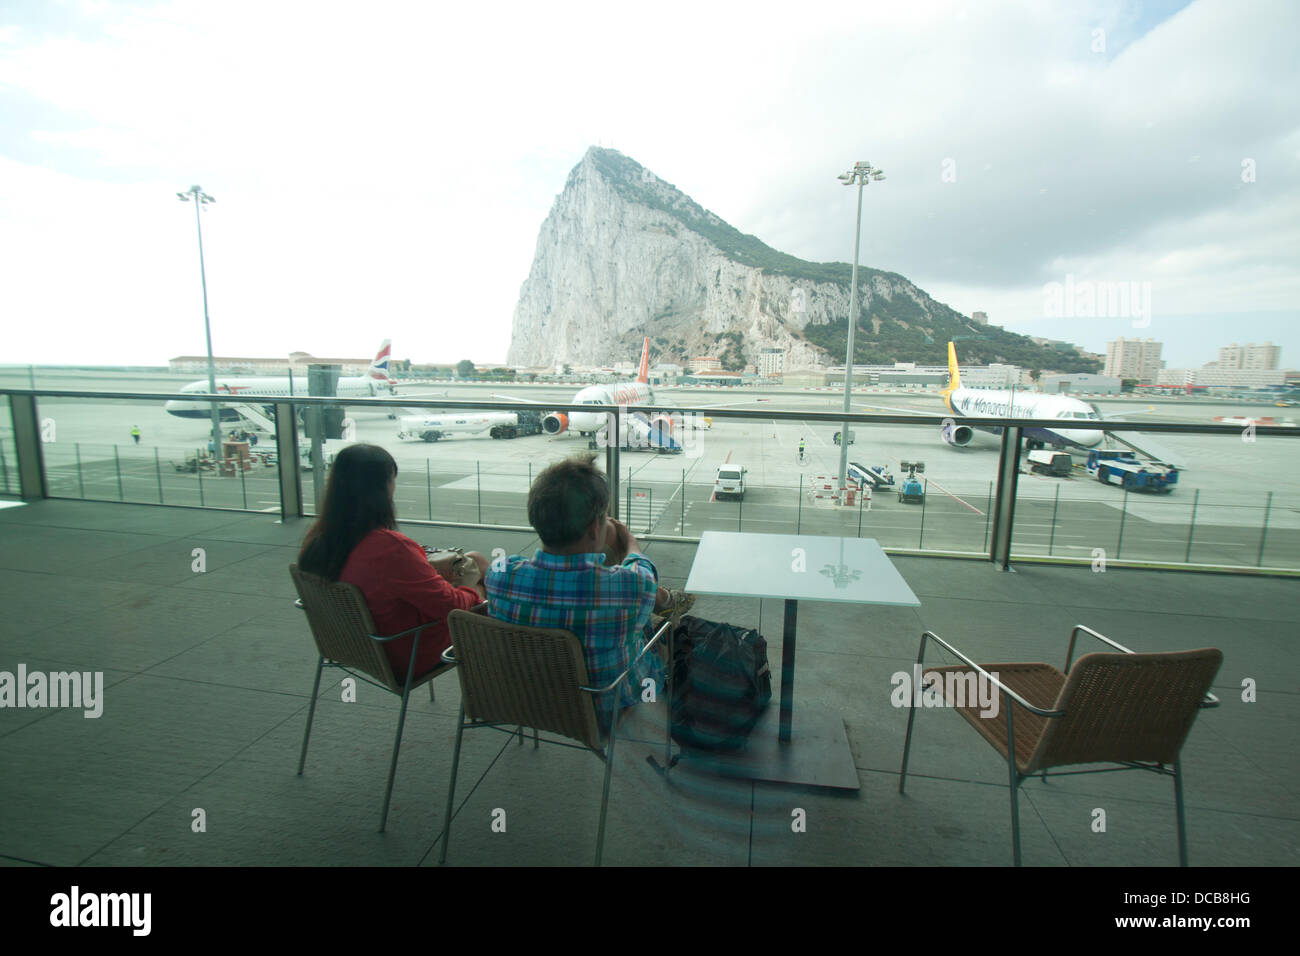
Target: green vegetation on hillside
909	330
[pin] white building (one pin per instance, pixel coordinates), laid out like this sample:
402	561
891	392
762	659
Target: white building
1251	356
1222	377
1134	358
771	363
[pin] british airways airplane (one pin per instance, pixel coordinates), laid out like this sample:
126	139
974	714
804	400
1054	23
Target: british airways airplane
376	381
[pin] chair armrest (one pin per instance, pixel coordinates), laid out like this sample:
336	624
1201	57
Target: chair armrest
1069	654
663	628
990	678
409	630
449	655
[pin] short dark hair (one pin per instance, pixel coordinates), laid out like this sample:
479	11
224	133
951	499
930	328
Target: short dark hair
565	499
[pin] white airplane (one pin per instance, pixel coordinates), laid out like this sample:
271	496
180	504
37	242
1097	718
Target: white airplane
376	381
642	431
435	424
1011	403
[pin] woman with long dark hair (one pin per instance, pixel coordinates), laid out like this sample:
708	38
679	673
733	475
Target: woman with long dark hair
355	539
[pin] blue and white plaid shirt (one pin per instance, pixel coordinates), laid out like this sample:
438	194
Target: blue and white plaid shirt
607	608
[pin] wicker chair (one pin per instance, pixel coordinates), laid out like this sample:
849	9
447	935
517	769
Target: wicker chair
517	676
1130	709
345	636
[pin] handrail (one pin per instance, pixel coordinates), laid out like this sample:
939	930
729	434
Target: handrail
830	417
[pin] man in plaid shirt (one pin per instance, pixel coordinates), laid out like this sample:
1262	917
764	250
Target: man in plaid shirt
588	578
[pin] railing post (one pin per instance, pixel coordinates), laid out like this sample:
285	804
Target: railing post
157	467
925	494
1005	502
1263	531
286	456
1123	513
1191	526
117	462
798	517
478	482
81	483
1056	504
683	496
988	514
243	485
860	501
428	487
27	446
198	473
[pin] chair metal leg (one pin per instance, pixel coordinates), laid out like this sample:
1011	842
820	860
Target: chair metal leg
451	786
431	697
1015	817
311	714
1182	816
397	743
536	740
604	797
519	732
1015	785
907	746
911	715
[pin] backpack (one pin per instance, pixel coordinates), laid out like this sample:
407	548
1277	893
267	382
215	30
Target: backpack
721	684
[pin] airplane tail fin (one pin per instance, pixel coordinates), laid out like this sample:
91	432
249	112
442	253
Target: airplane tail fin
643	374
379	367
954	373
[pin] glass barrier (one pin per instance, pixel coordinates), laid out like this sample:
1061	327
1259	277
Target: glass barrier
99	450
8	452
1236	501
1224	502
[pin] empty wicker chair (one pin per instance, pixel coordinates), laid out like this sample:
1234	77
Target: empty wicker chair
1131	709
512	676
345	636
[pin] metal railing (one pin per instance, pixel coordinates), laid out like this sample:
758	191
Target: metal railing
976	519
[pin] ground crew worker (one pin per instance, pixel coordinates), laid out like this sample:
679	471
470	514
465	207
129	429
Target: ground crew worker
800	447
135	433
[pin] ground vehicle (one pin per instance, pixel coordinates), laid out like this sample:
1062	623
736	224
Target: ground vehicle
853	437
1123	468
1047	462
870	476
730	481
911	491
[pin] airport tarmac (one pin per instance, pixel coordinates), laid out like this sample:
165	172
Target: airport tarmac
1237	502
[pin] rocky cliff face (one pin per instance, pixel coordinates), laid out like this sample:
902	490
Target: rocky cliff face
624	254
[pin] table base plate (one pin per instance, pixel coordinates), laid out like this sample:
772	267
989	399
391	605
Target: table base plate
817	755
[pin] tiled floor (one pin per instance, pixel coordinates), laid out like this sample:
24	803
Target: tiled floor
207	673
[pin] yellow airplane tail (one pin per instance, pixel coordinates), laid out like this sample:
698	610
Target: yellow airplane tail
954	373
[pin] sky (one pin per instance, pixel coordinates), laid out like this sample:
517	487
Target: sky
382	170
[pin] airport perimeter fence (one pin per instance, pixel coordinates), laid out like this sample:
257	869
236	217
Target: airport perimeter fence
1071	518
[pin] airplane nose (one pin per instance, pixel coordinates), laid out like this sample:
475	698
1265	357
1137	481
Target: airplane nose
1092	439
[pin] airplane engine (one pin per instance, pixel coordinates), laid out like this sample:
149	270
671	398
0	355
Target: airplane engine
555	423
959	435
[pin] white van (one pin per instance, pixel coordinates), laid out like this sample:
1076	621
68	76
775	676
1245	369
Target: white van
730	481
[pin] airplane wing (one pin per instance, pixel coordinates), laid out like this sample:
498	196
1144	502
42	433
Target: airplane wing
516	398
904	411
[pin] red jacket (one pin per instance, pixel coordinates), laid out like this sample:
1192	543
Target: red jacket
402	590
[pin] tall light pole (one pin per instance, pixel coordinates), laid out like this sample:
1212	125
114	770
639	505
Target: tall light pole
201	199
859	175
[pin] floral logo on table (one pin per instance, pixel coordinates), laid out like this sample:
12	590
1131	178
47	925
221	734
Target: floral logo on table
841	574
